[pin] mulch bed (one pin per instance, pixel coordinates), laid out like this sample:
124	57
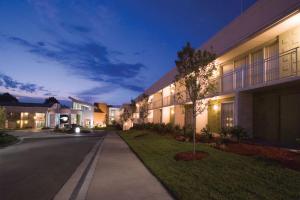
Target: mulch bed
189	155
284	156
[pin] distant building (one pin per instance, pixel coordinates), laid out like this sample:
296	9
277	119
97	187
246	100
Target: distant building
82	113
39	115
100	114
31	115
114	114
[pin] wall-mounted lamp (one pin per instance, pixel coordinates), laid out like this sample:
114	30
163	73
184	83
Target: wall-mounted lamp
216	107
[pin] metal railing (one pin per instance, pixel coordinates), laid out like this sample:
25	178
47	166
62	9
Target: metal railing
259	73
169	100
157	103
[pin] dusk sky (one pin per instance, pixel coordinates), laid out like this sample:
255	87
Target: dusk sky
100	50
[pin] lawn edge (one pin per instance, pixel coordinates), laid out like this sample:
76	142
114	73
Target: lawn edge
171	193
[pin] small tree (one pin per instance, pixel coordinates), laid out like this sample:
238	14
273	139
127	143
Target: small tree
2	117
143	107
128	110
6	97
195	69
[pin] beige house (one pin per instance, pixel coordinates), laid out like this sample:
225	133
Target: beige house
258	76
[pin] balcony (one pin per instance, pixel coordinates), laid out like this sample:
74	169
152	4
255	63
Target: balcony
157	104
169	100
266	72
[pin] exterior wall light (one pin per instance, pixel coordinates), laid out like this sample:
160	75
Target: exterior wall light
216	107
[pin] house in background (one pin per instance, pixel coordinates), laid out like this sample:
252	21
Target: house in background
31	115
114	112
257	80
100	114
82	113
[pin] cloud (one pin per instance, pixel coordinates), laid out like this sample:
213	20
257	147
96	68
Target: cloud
9	83
44	8
75	28
96	91
90	60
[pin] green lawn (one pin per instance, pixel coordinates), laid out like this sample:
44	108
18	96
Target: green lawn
221	175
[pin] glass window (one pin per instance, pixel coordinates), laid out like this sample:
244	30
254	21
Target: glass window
227	118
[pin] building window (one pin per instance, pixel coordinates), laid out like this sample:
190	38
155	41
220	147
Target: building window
257	67
227	118
188	116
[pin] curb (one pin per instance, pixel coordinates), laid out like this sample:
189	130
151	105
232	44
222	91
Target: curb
77	184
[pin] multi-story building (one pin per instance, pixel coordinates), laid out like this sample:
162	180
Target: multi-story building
258	76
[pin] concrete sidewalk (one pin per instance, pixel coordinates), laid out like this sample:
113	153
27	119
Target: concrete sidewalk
119	174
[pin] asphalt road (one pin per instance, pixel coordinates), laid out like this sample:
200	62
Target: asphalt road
37	169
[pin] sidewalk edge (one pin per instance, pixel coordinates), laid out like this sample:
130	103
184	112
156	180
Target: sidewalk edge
148	168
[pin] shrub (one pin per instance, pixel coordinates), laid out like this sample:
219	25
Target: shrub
298	141
169	128
177	129
159	128
224	133
206	133
45	128
188	131
238	132
6	139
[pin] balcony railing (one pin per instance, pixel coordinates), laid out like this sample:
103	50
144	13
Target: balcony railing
260	73
267	71
157	104
169	100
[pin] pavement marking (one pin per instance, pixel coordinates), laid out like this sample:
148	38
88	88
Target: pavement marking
72	188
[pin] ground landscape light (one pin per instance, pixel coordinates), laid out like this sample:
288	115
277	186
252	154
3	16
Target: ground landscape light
77	130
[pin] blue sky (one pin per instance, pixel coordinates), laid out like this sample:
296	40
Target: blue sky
100	50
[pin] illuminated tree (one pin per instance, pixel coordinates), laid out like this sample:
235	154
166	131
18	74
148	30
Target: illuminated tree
128	110
195	69
143	107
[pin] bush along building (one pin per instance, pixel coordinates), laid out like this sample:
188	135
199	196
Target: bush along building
257	78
